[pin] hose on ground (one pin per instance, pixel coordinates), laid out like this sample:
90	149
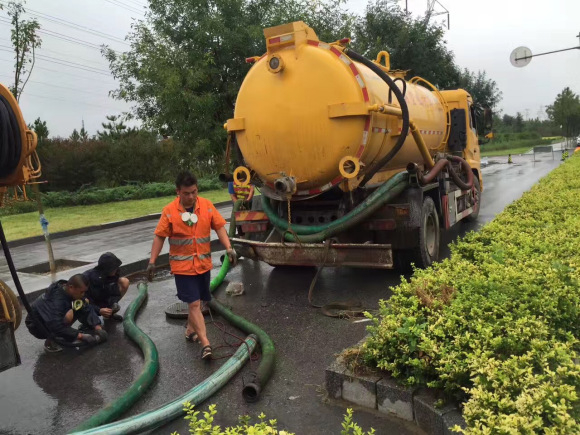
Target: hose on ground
174	409
116	408
404	111
319	233
252	389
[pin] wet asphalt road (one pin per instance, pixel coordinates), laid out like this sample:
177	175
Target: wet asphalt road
51	393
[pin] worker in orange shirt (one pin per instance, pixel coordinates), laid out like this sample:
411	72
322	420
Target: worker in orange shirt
187	221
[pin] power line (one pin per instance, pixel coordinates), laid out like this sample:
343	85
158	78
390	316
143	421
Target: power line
63	37
75	26
135	2
42	49
125	6
59	72
69	101
52	85
64	62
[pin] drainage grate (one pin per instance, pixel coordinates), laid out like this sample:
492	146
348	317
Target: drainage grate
44	268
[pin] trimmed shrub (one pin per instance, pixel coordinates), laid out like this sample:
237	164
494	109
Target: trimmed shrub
100	196
137	157
497	325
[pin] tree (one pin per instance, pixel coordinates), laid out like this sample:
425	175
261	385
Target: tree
75	136
483	90
412	44
40	129
565	111
25	40
519	123
187	62
114	129
419	47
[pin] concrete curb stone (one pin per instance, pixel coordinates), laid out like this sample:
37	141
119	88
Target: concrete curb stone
428	416
393	398
380	392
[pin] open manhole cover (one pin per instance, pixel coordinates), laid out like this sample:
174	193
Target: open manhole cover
44	268
178	310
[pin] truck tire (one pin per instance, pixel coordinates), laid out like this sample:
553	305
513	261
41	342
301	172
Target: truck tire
473	216
429	236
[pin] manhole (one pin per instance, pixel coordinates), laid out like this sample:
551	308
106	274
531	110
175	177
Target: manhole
178	310
44	268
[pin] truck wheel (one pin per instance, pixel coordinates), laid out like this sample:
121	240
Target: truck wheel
473	216
429	235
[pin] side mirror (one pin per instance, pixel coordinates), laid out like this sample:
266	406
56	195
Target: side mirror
487	119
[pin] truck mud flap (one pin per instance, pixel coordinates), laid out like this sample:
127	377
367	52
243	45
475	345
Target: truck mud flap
376	256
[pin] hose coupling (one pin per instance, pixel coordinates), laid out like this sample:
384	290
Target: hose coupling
285	185
252	390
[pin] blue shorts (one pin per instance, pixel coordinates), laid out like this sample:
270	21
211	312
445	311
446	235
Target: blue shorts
191	288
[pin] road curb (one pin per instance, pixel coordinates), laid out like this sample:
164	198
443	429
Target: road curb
93	228
378	391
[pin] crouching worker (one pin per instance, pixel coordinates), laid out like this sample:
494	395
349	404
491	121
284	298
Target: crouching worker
58	308
106	286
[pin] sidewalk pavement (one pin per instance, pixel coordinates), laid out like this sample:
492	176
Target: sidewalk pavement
131	243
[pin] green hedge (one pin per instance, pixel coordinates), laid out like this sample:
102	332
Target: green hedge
137	157
101	196
497	325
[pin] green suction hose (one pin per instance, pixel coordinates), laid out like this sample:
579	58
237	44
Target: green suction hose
160	416
319	233
114	409
252	389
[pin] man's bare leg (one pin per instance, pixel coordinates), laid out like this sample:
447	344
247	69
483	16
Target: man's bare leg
196	322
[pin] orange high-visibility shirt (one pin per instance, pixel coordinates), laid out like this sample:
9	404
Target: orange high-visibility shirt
189	246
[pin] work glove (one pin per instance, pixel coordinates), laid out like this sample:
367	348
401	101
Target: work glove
232	256
150	272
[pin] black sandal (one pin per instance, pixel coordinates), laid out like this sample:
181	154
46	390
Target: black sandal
206	353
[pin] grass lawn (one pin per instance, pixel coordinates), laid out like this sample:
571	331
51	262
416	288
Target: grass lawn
520	150
68	218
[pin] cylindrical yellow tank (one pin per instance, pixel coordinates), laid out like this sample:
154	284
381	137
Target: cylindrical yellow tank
303	113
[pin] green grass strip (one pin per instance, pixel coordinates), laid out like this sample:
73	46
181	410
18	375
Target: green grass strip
69	218
496	326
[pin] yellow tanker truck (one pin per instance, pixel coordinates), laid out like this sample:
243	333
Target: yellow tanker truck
357	166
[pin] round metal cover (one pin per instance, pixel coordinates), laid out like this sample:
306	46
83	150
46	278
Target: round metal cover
177	310
521	56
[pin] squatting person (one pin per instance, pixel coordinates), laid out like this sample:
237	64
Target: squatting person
187	222
56	310
106	286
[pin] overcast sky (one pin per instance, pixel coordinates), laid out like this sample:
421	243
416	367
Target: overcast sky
483	33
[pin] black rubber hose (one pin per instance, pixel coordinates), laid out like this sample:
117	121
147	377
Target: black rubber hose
404	109
10	139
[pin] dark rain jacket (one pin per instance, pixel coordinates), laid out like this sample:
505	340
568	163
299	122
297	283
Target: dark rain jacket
52	306
103	289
